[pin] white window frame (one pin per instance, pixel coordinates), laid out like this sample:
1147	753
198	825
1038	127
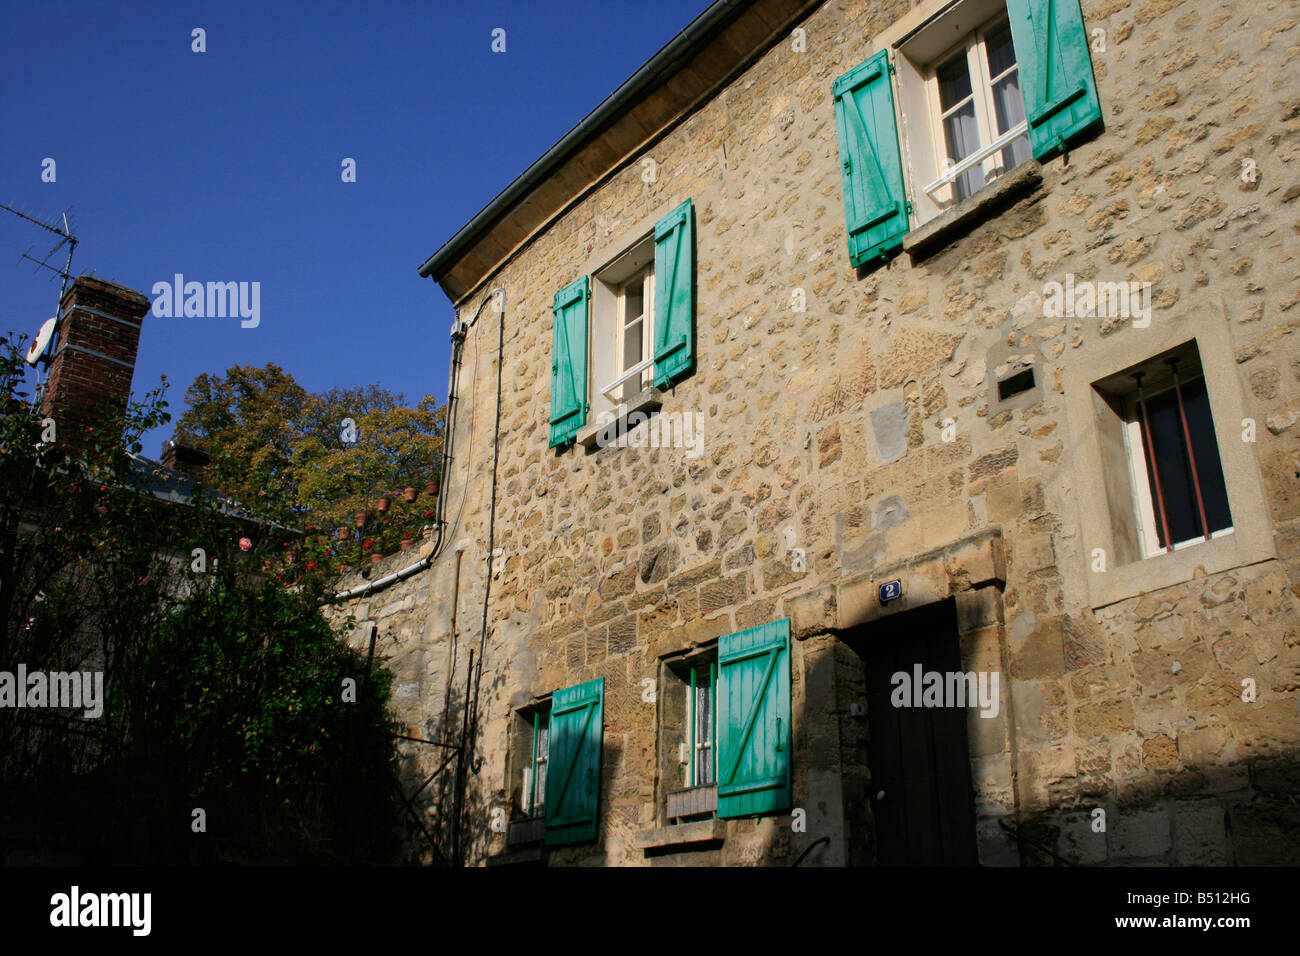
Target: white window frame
943	188
636	376
611	381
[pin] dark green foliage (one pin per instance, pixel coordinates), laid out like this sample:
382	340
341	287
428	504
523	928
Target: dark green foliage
224	684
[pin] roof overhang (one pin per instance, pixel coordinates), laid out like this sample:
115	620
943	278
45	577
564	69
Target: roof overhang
690	70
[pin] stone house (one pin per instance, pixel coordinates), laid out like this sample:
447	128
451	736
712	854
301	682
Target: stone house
874	442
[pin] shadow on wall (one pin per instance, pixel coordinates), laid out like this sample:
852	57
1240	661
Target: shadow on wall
1243	814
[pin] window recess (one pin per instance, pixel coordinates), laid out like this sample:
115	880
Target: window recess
1161	457
1179	491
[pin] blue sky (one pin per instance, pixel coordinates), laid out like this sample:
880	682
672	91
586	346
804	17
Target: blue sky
225	165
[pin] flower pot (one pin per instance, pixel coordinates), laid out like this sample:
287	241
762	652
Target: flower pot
343	534
382	506
409	494
405	543
376	558
361	519
431	487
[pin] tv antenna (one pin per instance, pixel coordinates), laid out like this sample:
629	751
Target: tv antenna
66	238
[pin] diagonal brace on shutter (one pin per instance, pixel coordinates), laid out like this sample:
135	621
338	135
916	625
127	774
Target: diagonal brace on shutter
880	214
590	706
752	717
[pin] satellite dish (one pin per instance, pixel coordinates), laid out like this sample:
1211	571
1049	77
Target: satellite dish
41	341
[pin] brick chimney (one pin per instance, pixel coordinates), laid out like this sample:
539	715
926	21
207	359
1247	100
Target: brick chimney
98	334
186	459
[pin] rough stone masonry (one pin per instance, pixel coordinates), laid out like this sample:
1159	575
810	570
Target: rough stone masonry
1122	689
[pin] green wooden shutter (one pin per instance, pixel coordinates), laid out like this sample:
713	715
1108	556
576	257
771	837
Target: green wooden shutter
1055	72
573	763
674	295
569	362
875	197
753	695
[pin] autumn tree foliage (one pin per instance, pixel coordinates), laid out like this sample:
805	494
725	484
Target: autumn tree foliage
315	461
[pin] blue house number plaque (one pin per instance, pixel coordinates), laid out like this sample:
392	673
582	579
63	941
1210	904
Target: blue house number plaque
891	591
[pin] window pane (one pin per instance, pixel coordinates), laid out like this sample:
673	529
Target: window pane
634	301
704	767
704	733
539	766
1173	464
1196	402
1008	110
1001	54
954	82
962	133
632	342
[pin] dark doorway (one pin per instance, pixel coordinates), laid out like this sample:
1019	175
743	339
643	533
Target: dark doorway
918	756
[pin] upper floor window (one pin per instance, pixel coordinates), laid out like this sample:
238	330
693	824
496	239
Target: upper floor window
981	130
622	327
637	321
978	88
628	325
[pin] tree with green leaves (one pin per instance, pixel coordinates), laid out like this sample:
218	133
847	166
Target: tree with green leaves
319	459
226	691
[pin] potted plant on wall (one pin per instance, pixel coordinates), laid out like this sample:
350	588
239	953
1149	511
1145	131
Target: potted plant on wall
382	506
409	494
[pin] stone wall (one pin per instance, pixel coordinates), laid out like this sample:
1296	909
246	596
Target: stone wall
823	431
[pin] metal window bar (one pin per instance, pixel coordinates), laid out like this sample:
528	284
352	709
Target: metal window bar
1191	454
1149	447
636	369
950	175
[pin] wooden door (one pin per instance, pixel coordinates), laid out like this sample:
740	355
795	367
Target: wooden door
920	788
